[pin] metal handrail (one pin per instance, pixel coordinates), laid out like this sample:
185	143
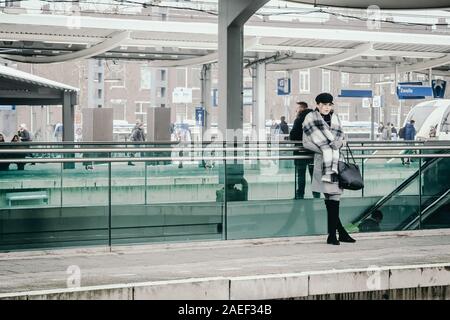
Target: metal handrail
425	212
120	150
397	190
228	158
217	149
105	143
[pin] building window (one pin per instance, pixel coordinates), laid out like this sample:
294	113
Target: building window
326	81
304	79
115	74
163	92
99	93
345	79
146	78
195	78
163	75
141	109
421	77
181	77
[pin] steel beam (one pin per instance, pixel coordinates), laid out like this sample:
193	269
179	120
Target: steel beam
346	55
232	16
205	79
100	48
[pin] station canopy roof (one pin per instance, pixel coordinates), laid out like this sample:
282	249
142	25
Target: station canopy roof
294	36
22	88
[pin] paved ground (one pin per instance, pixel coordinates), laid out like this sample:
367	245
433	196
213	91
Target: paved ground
37	270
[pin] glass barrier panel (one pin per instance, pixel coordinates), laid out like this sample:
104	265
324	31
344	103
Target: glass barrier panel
278	215
177	198
30	200
399	210
85	202
436	195
384	175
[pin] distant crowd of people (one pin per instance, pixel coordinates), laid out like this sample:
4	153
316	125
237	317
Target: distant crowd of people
387	132
22	135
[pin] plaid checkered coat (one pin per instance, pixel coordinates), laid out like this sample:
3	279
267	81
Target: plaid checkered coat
325	142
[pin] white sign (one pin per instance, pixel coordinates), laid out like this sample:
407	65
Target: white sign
366	102
182	95
377	101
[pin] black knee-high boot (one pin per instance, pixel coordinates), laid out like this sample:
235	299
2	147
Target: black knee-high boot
332	222
343	234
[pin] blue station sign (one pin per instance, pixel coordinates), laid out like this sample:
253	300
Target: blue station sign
414	92
356	93
200	116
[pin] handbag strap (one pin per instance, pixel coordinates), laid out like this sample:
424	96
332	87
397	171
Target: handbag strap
351	154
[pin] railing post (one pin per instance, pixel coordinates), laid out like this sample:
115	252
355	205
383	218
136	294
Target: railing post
225	204
362	173
145	182
420	190
61	186
109	203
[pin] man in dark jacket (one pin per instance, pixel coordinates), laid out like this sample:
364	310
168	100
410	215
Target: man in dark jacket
296	134
137	135
410	134
284	128
410	131
24	136
23	133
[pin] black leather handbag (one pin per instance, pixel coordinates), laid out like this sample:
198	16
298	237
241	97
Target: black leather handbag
349	175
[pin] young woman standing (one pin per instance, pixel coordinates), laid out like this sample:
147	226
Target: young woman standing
323	134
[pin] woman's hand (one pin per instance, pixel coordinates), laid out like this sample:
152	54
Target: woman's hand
336	144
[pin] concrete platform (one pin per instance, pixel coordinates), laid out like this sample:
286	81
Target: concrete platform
242	269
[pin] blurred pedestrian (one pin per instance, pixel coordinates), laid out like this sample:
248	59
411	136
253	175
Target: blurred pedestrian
137	134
